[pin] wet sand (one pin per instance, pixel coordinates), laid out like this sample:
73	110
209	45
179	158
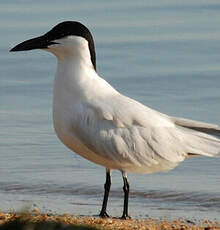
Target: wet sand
67	220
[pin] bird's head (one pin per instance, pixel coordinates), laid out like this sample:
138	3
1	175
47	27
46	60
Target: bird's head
68	39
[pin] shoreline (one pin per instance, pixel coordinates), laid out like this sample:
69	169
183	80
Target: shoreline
108	223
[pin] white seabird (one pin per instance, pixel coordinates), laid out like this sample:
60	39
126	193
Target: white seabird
100	124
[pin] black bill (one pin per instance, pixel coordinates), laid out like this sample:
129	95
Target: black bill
41	42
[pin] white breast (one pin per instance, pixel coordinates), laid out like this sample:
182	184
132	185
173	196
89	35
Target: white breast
73	86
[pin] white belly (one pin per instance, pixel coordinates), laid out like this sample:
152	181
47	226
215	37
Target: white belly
69	139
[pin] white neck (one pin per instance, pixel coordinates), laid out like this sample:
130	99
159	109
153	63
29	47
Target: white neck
76	80
74	76
76	85
72	49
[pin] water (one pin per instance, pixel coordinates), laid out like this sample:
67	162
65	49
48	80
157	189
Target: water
162	53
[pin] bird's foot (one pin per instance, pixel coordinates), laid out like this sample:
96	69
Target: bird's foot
103	214
125	217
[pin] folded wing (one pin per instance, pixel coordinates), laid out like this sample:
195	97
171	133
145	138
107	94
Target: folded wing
133	136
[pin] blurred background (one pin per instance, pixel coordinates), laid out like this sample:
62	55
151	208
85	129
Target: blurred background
165	54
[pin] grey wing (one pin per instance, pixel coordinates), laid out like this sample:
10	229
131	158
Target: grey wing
132	143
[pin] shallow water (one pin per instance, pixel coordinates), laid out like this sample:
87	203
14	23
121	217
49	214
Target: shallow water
162	53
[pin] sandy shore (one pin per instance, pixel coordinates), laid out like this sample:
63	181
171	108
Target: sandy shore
109	223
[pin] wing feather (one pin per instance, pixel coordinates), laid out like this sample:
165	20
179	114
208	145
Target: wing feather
211	129
131	135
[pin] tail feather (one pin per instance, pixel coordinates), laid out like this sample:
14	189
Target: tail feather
201	138
207	128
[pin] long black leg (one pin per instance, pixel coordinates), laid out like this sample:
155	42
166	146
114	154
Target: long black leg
107	186
126	189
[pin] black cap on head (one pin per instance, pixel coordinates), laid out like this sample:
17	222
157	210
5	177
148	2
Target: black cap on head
61	30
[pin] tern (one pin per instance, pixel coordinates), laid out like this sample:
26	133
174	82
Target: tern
97	122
